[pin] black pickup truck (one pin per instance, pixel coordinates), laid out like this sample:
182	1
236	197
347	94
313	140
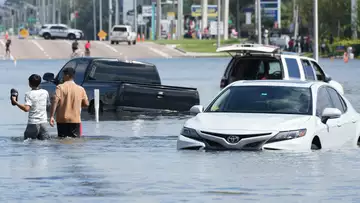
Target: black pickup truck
124	86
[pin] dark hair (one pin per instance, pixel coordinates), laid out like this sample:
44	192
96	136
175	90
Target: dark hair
69	72
34	80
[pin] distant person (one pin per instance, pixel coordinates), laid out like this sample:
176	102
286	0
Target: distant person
331	39
68	100
74	45
36	102
87	48
7	47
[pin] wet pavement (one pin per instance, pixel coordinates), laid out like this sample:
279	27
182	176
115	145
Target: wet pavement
134	159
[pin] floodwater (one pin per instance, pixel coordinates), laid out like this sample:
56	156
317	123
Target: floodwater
136	160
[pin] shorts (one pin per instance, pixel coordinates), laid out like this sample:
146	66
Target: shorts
36	131
68	129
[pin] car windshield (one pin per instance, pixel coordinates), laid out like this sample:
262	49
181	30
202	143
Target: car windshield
264	99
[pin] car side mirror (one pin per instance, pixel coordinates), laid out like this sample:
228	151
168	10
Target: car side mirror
327	79
196	109
330	113
49	77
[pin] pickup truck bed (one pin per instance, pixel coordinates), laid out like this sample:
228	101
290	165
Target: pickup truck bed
143	97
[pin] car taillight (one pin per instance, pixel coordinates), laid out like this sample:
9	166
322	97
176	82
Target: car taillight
223	82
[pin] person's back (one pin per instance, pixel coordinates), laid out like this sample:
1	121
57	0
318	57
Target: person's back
68	101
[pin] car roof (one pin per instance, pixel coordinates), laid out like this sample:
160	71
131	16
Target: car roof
283	83
116	59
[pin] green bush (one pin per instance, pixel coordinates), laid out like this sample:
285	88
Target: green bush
355	44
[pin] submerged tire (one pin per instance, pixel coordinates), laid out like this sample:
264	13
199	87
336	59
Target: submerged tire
315	144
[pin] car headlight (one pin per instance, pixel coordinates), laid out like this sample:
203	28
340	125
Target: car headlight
189	132
288	135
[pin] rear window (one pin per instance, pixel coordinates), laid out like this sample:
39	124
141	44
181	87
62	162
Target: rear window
124	72
119	29
255	69
264	99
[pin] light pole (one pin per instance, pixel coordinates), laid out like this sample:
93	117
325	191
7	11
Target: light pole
100	14
135	17
110	18
316	42
94	18
259	20
218	22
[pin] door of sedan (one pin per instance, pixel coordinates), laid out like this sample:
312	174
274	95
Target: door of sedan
328	132
346	123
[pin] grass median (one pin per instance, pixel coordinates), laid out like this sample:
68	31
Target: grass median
195	45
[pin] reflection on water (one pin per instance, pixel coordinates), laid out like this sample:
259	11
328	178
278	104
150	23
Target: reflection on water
133	158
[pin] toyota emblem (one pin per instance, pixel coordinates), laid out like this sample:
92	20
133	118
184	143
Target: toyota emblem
233	139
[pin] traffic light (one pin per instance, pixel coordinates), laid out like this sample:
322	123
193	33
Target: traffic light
139	9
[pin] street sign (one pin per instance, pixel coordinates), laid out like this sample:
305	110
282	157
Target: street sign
24	33
102	34
31	20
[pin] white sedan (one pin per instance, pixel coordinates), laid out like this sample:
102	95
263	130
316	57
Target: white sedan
273	115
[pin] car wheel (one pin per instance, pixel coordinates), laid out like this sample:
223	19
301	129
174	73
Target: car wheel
134	42
111	42
46	36
71	36
117	42
129	43
358	141
316	144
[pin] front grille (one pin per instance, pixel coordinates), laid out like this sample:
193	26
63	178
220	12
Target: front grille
241	136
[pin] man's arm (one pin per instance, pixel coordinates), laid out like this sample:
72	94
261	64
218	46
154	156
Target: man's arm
85	100
54	103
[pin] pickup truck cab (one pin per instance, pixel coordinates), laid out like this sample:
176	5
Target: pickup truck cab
122	33
124	86
254	61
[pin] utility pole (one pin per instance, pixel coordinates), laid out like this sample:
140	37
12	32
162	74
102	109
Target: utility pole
354	20
53	11
279	13
116	12
100	14
316	40
94	18
173	22
158	19
218	22
43	18
226	19
110	18
204	14
259	20
238	18
180	19
135	16
59	13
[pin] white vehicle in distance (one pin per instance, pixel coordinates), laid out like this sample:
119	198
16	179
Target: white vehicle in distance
60	31
255	61
122	33
273	115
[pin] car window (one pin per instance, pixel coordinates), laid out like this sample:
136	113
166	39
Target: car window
308	70
264	99
55	27
320	75
60	75
335	98
323	101
119	29
293	67
125	72
80	71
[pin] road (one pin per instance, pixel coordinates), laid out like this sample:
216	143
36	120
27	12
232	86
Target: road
61	49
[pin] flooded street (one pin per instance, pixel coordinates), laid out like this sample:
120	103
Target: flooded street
135	160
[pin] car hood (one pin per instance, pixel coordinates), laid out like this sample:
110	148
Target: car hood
247	122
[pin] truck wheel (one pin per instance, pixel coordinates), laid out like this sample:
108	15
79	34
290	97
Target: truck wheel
91	109
129	43
71	36
111	42
134	42
46	36
117	42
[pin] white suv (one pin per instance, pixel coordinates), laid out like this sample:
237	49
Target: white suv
61	31
122	33
257	62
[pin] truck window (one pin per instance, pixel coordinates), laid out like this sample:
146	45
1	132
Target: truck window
80	71
124	72
293	68
119	29
60	75
308	70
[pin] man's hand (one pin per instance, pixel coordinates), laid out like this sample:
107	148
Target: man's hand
52	121
13	100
